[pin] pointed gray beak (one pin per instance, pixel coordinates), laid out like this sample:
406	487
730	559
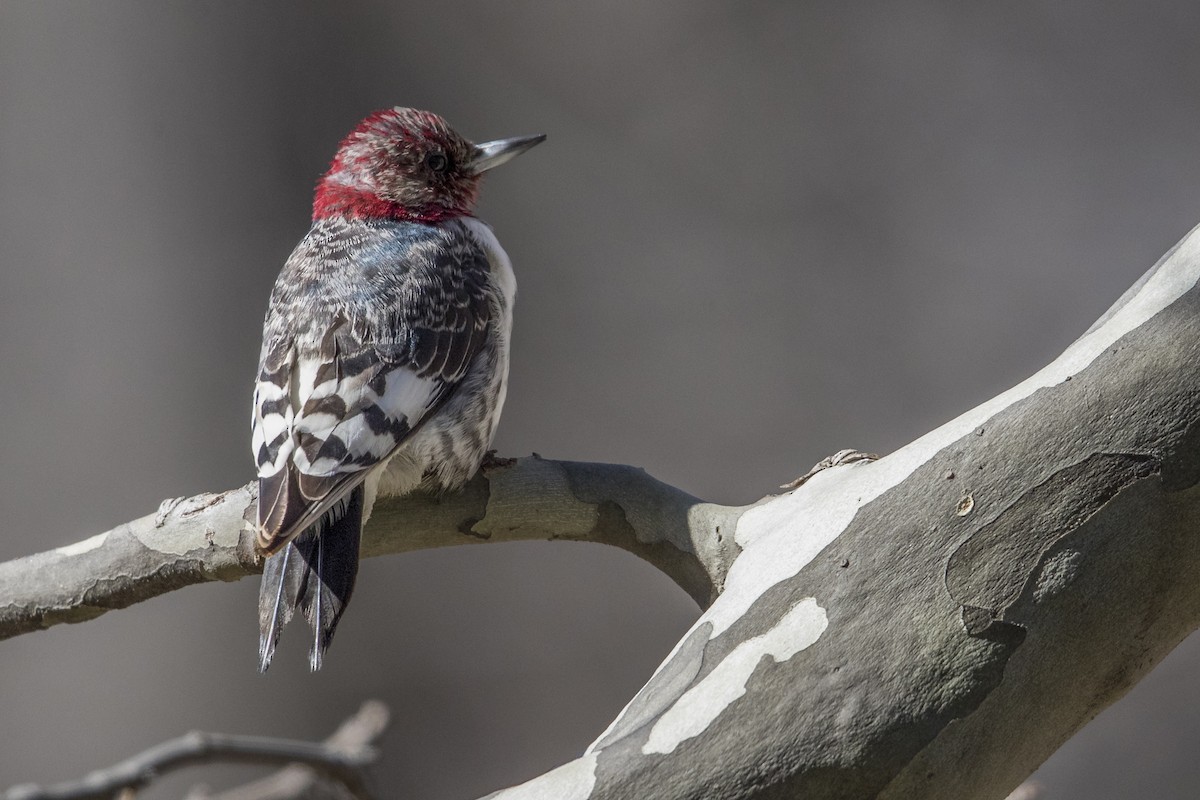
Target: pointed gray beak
493	154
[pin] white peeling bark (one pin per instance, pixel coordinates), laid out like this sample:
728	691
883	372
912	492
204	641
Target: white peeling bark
933	624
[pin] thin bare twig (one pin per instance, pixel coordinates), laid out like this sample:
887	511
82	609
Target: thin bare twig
299	781
342	763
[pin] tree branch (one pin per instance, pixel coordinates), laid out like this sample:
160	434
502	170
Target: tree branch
297	781
936	623
343	758
206	538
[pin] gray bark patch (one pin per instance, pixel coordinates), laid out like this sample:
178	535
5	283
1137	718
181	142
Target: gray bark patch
668	685
989	571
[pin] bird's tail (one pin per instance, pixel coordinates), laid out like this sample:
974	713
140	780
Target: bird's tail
314	573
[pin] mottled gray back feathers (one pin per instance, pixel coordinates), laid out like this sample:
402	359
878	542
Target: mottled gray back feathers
372	326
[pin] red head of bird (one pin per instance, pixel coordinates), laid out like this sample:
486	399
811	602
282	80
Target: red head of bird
406	164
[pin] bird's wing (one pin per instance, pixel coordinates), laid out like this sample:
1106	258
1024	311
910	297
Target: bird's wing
328	411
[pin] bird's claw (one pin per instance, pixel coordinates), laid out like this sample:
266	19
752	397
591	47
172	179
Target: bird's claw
492	461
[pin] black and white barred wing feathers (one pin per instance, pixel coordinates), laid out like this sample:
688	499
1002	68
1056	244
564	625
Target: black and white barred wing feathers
328	410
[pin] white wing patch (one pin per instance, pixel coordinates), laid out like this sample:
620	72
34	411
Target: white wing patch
348	424
271	427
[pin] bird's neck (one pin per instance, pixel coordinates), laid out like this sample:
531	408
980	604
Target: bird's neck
335	200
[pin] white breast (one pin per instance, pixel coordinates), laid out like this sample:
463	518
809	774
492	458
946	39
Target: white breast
502	271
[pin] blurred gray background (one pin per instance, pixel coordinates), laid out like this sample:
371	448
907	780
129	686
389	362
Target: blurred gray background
759	232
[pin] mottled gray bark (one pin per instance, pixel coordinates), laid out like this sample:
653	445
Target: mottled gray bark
932	624
207	537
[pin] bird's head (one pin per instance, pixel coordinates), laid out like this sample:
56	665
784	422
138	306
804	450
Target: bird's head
402	163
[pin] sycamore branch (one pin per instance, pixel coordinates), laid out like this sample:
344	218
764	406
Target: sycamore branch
936	623
207	538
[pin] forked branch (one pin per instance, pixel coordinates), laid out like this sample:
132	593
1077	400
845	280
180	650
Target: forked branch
342	759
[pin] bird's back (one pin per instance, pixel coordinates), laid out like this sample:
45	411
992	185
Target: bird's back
384	362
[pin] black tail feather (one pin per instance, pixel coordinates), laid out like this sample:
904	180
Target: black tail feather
314	573
283	582
335	561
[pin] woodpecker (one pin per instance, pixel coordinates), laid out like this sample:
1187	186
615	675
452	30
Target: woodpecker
384	360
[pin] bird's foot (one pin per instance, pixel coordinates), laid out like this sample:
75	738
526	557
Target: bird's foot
492	461
841	457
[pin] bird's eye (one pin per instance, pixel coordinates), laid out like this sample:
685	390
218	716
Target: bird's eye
437	162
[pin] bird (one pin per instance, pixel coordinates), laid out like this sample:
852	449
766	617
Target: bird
384	360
